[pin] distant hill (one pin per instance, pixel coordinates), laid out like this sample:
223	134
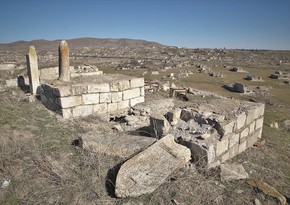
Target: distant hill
78	43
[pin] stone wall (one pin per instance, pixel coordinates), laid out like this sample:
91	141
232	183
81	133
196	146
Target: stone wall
100	94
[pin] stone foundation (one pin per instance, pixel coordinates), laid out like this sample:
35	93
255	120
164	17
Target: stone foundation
85	95
216	130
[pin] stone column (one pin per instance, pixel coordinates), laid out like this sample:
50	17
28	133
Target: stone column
32	68
64	71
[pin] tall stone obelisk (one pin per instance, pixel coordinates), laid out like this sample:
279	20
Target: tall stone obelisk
64	71
32	68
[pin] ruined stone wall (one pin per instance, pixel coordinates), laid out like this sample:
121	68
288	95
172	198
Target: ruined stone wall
239	134
114	92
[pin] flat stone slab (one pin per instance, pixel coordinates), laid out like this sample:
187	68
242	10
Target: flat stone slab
233	172
143	173
114	144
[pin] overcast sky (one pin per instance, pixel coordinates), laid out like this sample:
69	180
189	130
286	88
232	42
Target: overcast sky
254	24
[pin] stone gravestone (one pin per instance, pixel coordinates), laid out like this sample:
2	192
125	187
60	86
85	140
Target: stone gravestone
64	71
32	68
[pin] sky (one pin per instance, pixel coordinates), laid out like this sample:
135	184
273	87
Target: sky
244	24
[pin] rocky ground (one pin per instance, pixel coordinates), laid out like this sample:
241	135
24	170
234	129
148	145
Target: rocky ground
42	165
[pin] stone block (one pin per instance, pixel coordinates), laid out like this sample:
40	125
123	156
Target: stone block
142	91
159	125
71	101
89	99
244	133
117	96
252	127
82	110
146	171
99	88
226	128
255	113
137	82
222	146
234	150
78	89
62	91
259	123
202	155
100	108
137	100
105	97
120	86
242	147
123	105
186	115
66	113
253	138
132	93
241	119
112	107
234	139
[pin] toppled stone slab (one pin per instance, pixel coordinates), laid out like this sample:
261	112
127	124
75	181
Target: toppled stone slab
233	172
143	173
267	189
114	144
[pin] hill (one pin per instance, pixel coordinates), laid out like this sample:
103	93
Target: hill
78	43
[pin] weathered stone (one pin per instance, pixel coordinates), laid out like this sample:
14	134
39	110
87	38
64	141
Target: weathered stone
99	88
137	82
267	189
234	139
78	89
89	99
120	85
259	123
142	91
239	87
186	115
112	107
133	93
242	147
100	108
274	125
256	112
225	157
117	96
245	133
33	72
226	128
241	120
234	151
105	97
253	138
123	104
159	125
115	145
222	146
143	173
82	110
66	113
233	172
137	100
62	91
71	101
64	70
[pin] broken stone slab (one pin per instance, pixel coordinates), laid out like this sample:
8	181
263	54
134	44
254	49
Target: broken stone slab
233	172
146	171
267	189
113	144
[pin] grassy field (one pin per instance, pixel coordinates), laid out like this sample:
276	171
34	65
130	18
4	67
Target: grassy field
37	155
